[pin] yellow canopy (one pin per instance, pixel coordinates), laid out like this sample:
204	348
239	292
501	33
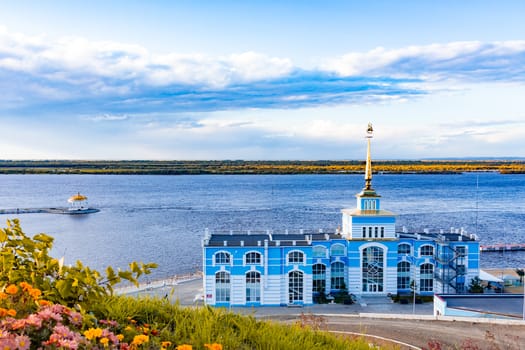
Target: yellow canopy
76	198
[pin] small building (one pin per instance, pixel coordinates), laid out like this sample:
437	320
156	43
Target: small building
368	256
508	306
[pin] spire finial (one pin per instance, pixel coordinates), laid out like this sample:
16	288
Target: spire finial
368	170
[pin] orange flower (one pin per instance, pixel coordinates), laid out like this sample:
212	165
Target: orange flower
25	286
11	289
3	312
184	347
44	303
165	344
35	293
3	296
213	346
11	312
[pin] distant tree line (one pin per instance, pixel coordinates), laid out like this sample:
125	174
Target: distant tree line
175	167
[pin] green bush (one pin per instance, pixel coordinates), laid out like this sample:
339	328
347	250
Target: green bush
26	259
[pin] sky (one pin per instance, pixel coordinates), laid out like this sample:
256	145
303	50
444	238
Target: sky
261	80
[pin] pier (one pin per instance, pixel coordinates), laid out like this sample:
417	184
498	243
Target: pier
502	247
57	210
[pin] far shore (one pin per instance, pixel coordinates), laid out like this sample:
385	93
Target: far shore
261	167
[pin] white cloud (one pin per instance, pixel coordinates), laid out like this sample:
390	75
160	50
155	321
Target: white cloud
474	59
79	61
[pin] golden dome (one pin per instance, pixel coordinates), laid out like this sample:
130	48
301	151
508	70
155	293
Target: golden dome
76	198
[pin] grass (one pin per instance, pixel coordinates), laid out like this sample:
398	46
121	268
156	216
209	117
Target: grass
203	325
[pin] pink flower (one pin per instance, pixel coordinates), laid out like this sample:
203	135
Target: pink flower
22	342
34	321
110	335
15	324
7	343
48	314
75	318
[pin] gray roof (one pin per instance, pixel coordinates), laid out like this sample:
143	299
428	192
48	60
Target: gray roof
510	305
306	237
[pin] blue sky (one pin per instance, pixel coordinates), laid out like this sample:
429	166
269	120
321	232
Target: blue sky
261	79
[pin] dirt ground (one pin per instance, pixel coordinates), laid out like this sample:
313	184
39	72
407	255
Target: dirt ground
422	334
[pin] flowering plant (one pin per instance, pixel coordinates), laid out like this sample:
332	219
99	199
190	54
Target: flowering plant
28	321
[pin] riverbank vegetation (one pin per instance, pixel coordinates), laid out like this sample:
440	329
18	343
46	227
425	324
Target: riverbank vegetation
145	167
45	304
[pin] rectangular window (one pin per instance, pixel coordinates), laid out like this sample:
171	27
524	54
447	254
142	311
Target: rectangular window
222	258
382	232
375	232
370	232
427	285
364	232
295	257
253	258
461	251
403	282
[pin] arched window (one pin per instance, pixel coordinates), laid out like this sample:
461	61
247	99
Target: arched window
319	251
426	250
337	249
295	257
337	273
403	248
222	287
319	278
253	286
253	258
373	267
403	275
426	277
295	286
222	258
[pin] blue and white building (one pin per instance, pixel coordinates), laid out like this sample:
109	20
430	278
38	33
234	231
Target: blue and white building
368	256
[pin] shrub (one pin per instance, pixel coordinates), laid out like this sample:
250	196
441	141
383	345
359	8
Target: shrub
25	259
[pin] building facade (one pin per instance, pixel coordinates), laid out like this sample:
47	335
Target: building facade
368	256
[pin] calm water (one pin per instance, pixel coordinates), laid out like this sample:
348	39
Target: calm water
162	218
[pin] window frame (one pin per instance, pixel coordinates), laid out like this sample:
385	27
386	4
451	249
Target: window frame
222	258
253	258
293	257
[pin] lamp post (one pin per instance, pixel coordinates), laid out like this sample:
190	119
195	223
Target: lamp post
413	287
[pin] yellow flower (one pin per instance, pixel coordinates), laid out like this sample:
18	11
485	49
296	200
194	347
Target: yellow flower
140	339
184	347
11	289
11	312
104	341
93	333
120	337
213	346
